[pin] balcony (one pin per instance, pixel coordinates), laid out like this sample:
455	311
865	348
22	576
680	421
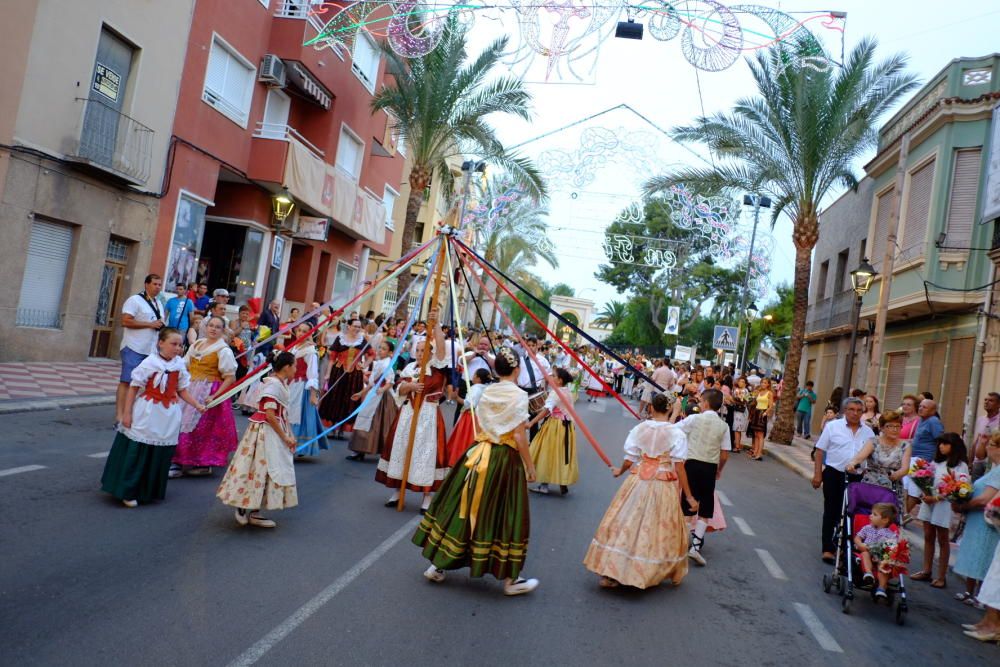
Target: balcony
308	66
113	143
832	312
286	133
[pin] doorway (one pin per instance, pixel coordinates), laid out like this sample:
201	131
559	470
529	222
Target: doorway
229	259
109	297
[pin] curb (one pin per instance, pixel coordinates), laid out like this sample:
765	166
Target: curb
774	450
55	403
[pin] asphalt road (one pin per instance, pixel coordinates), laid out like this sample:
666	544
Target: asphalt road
84	581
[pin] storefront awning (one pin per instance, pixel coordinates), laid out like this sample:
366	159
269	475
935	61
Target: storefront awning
331	192
301	78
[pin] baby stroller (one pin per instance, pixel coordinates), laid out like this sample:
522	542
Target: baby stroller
847	575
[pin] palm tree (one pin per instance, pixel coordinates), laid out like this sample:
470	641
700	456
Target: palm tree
515	257
612	314
439	104
796	140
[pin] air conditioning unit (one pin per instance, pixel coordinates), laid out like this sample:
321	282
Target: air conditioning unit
272	71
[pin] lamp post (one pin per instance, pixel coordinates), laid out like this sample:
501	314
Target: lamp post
750	314
757	201
282	205
861	281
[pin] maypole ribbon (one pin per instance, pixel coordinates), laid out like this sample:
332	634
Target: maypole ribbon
568	404
566	347
461	338
481	261
392	363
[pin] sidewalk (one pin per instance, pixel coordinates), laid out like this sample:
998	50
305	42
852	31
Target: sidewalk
47	386
794	456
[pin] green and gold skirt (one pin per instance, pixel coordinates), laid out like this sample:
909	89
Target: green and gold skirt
479	523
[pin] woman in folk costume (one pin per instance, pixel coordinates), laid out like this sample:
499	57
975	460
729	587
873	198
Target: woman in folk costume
262	473
347	376
137	467
595	387
480	517
643	538
374	422
465	430
428	464
553	449
207	439
303	393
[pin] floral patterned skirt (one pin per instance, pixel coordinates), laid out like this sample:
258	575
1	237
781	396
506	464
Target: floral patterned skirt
642	538
247	484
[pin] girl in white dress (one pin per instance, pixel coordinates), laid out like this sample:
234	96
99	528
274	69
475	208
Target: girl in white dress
378	414
935	512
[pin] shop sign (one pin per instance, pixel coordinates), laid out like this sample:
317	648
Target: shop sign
278	252
107	82
313	229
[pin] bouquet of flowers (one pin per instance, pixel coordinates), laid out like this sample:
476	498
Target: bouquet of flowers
955	488
922	474
992	512
892	556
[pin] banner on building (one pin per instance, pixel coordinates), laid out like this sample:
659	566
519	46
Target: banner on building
673	321
314	229
991	198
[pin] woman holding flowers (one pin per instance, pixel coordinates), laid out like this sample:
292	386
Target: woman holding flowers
988	627
979	541
887	458
935	510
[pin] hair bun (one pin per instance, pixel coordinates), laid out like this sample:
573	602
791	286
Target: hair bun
509	356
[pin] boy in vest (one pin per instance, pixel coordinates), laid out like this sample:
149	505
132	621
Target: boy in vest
707	451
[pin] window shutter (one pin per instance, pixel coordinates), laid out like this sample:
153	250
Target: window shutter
40	304
215	76
917	210
881	232
932	367
349	154
956	383
962	199
896	363
389	201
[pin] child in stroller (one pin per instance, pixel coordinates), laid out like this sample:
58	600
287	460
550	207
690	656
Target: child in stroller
870	544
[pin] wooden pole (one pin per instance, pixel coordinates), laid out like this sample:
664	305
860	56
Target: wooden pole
417	400
888	262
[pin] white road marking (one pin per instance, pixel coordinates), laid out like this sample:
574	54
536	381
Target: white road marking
723	498
771	564
99	455
14	471
743	526
285	628
816	627
598	406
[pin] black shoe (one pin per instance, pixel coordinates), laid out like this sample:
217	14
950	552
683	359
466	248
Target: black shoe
391	503
563	489
355	457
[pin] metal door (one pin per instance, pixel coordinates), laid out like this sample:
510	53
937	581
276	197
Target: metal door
106	99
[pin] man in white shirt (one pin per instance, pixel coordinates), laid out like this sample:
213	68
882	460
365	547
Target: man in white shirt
481	358
142	319
531	376
840	442
986	426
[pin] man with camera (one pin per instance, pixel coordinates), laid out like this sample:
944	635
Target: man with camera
142	319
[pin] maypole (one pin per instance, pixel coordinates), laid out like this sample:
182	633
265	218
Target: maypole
417	401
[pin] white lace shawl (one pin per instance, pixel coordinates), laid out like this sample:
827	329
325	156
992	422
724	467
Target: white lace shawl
501	409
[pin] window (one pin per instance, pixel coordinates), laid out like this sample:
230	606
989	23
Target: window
962	198
918	202
824	272
365	59
862	249
894	376
418	234
275	115
265	3
881	232
389	197
229	82
841	275
44	278
350	151
343	284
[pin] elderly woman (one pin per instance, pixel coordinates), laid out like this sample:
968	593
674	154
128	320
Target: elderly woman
910	416
979	541
887	457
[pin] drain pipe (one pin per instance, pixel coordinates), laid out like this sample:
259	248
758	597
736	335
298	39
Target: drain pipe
976	379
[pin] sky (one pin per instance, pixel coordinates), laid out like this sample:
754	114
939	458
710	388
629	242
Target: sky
653	77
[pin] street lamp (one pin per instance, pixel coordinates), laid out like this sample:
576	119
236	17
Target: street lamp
861	281
757	201
751	314
282	205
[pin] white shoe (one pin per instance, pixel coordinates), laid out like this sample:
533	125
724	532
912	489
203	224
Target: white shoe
130	503
520	586
261	522
434	574
241	517
696	556
175	471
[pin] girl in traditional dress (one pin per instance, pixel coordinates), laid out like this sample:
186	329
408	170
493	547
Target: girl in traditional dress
595	388
761	408
262	473
207	439
741	395
553	449
303	394
428	463
137	467
643	538
376	418
465	430
347	377
480	518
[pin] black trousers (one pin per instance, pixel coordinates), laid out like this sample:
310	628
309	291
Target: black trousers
701	479
834	485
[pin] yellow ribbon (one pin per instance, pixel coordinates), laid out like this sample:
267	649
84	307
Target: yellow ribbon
477	461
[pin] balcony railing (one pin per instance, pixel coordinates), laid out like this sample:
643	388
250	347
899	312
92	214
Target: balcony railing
831	312
284	132
114	142
390	296
300	9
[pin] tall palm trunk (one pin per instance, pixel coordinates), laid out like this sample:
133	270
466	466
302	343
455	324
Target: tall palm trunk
804	234
420	178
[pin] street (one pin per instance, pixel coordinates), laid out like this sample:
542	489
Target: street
88	582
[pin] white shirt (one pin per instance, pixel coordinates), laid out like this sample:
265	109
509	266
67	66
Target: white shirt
841	444
753	380
142	341
524	378
476	362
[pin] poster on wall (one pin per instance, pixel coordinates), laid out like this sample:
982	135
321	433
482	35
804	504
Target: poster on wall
991	198
189	225
673	321
182	269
